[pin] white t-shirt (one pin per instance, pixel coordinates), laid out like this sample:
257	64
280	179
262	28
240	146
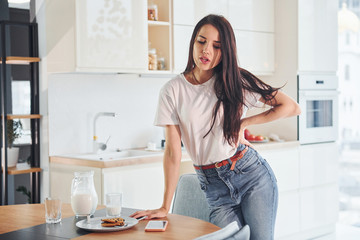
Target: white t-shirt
191	107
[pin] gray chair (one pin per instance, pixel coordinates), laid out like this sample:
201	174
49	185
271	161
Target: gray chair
230	232
189	199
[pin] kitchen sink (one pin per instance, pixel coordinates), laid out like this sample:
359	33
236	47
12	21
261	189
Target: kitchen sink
111	156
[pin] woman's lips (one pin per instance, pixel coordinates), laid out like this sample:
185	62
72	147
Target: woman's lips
204	60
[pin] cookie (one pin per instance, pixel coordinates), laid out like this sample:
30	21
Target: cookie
113	220
105	224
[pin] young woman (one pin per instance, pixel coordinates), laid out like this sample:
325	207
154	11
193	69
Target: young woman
205	108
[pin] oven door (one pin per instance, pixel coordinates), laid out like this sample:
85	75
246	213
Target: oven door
318	121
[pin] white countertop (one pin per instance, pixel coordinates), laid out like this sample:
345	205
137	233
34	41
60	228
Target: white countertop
68	160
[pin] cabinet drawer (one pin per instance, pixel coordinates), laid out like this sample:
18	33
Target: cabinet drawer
285	164
288	214
318	207
318	164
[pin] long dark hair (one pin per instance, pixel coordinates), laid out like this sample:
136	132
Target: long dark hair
231	80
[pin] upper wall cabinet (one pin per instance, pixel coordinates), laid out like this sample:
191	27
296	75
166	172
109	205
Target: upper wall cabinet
102	36
252	15
317	35
252	21
182	36
256	51
189	12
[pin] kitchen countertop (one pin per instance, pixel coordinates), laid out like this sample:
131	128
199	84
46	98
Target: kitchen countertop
68	160
275	145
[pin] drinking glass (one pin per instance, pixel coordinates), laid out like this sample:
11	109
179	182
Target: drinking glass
113	204
52	210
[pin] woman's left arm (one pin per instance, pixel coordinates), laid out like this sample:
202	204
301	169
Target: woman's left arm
282	105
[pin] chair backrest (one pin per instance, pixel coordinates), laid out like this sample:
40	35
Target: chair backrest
230	232
243	234
189	199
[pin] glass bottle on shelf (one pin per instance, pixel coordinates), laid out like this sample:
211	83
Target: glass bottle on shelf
152	59
161	63
152	12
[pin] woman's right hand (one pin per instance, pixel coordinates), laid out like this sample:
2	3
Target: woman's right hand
149	214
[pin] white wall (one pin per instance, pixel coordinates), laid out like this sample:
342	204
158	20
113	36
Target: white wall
286	67
74	99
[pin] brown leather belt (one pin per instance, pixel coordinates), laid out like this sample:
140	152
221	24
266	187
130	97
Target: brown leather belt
233	159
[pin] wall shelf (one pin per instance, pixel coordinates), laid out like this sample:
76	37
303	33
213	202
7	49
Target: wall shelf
158	23
23	116
160	35
8	58
20	60
15	171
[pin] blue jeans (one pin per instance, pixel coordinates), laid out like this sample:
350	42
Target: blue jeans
248	194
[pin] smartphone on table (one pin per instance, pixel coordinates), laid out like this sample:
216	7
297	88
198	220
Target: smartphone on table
156	226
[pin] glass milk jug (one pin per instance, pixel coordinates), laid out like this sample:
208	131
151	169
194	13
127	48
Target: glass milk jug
83	195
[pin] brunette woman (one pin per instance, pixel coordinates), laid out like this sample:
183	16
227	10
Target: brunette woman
205	107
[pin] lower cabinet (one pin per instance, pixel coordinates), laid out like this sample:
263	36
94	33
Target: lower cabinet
318	210
306	176
142	185
61	176
308	191
288	214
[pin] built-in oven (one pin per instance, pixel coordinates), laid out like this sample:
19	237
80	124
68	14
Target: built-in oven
318	99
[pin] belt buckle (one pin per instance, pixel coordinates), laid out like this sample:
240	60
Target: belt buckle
216	165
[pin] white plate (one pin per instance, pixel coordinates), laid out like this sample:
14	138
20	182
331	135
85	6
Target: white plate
263	141
95	225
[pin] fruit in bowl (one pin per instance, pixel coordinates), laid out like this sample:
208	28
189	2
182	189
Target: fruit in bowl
254	138
246	134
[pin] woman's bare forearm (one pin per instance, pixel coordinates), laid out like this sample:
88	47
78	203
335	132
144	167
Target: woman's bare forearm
172	159
285	107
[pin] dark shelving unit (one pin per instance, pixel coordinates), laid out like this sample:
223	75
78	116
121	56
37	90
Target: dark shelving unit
32	60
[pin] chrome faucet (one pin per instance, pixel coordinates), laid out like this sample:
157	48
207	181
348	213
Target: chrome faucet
96	144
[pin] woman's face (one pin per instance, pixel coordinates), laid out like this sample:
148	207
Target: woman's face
207	52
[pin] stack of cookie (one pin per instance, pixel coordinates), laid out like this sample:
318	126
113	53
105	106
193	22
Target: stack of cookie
112	222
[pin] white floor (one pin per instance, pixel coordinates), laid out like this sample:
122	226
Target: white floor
346	232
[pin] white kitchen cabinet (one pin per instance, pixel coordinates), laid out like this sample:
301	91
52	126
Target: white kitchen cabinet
256	51
182	37
317	35
280	159
288	215
318	209
61	176
253	23
142	186
97	36
189	12
252	15
318	164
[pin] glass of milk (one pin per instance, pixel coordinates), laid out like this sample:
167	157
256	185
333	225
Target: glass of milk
113	202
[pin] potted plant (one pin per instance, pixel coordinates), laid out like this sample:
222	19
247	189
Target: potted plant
13	132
